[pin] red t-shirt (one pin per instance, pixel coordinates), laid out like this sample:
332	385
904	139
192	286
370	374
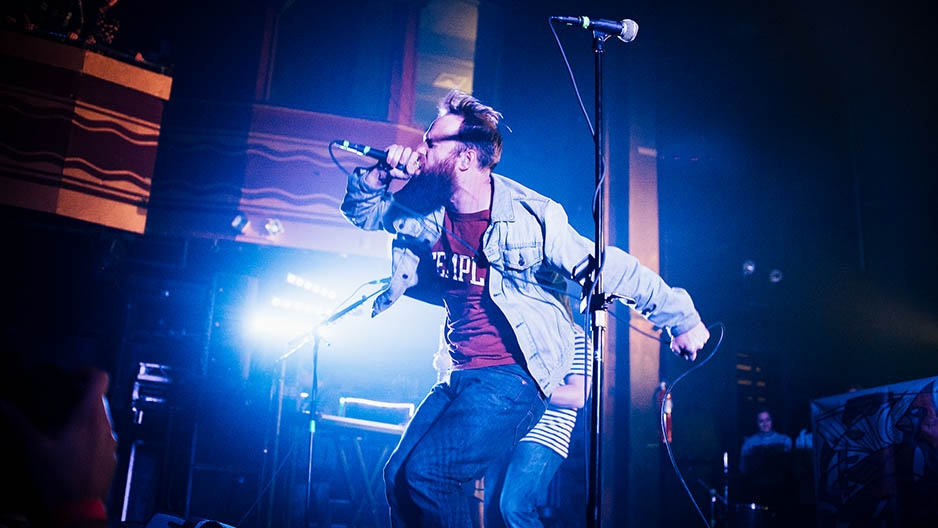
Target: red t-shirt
479	335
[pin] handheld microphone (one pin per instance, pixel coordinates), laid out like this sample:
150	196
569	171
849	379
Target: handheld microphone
625	30
362	150
365	150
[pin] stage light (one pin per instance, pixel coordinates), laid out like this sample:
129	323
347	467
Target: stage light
325	331
240	223
376	410
775	276
749	267
298	306
310	286
273	227
268	326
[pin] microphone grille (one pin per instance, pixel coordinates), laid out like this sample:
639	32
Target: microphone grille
629	30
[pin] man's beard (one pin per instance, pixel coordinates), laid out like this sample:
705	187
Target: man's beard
429	190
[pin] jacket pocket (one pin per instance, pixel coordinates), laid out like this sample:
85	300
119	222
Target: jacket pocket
520	258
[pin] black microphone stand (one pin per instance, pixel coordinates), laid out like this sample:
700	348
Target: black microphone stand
597	304
293	347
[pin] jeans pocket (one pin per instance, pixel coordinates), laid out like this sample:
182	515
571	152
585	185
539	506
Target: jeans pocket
524	397
514	383
525	426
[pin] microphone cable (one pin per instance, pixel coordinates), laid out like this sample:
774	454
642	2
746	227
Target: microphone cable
663	424
586	117
338	164
576	88
335	160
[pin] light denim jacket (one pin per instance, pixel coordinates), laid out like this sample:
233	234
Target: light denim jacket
528	233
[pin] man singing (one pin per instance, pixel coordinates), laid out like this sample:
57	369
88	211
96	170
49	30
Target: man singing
482	245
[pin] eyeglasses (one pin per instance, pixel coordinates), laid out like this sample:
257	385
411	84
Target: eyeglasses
471	135
433	141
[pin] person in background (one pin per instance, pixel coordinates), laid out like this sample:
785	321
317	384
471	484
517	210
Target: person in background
512	491
60	452
105	22
765	439
61	18
16	14
767	475
514	496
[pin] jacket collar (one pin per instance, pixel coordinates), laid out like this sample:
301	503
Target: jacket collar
502	200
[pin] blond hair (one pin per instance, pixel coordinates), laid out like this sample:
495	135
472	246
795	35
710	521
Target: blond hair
479	129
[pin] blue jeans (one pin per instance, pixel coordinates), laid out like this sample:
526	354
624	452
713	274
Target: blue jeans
513	493
460	428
